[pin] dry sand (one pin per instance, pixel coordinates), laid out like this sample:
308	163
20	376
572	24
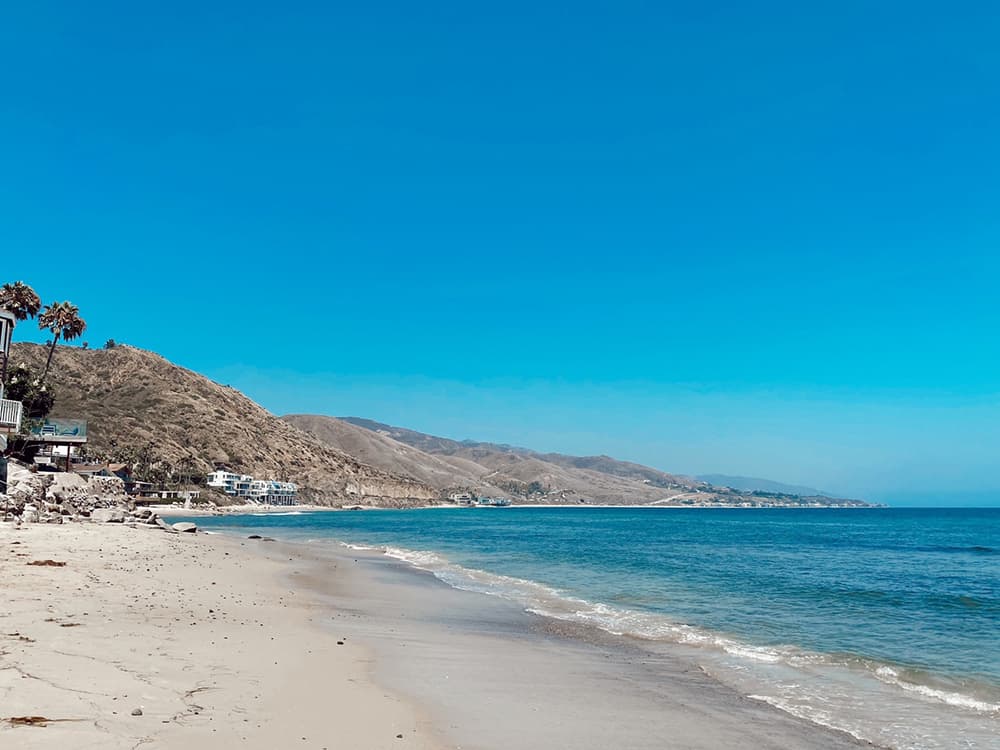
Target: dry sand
199	633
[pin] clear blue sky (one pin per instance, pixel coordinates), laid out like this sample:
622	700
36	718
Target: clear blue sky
751	238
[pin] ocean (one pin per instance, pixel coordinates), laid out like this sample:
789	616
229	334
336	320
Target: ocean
884	623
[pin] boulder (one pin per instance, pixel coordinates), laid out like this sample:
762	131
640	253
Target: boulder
164	525
108	515
185	527
107	488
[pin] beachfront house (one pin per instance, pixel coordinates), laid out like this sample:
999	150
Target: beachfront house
254	491
10	411
61	441
234	485
271	492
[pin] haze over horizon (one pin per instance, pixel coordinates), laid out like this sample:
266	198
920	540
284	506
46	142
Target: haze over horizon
751	241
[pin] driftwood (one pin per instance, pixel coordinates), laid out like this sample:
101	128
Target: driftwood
34	721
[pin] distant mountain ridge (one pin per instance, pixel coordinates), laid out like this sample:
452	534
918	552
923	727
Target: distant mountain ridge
135	398
765	485
525	475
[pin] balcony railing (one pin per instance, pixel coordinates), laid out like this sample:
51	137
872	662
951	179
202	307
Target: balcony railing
10	415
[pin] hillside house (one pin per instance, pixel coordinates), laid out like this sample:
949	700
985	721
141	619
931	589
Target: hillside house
254	491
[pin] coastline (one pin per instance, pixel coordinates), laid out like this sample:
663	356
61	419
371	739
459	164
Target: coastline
221	640
239	510
496	676
850	688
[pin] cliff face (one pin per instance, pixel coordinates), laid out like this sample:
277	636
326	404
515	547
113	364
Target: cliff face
130	396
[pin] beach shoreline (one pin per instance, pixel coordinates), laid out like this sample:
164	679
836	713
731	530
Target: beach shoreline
221	639
496	676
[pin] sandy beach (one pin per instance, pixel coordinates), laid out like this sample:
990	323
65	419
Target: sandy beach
197	632
227	642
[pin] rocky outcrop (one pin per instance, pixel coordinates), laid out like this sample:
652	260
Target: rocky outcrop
56	497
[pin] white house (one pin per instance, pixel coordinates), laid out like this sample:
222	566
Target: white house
256	491
271	492
236	485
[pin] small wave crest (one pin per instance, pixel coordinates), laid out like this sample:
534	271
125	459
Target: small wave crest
976	549
546	601
891	676
359	547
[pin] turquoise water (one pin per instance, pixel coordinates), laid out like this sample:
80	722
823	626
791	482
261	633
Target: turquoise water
882	622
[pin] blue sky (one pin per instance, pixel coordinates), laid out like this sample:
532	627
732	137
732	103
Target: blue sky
756	239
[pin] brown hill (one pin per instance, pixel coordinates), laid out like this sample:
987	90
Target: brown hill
398	458
526	475
131	396
523	474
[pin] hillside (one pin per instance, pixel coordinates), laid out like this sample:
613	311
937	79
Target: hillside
755	483
378	449
523	474
136	397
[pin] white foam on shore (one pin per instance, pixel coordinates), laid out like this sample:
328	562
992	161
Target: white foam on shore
359	547
890	676
843	692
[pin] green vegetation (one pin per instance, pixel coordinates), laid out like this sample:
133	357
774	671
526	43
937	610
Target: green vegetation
61	319
24	385
20	299
21	383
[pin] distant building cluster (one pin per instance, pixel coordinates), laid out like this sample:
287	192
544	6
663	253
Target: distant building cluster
256	491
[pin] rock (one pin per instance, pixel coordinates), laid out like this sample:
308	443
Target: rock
185	527
254	536
108	515
109	488
165	526
137	712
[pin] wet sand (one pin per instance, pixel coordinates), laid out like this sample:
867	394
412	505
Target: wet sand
492	676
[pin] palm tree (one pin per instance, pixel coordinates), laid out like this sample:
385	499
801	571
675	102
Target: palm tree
20	299
62	319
